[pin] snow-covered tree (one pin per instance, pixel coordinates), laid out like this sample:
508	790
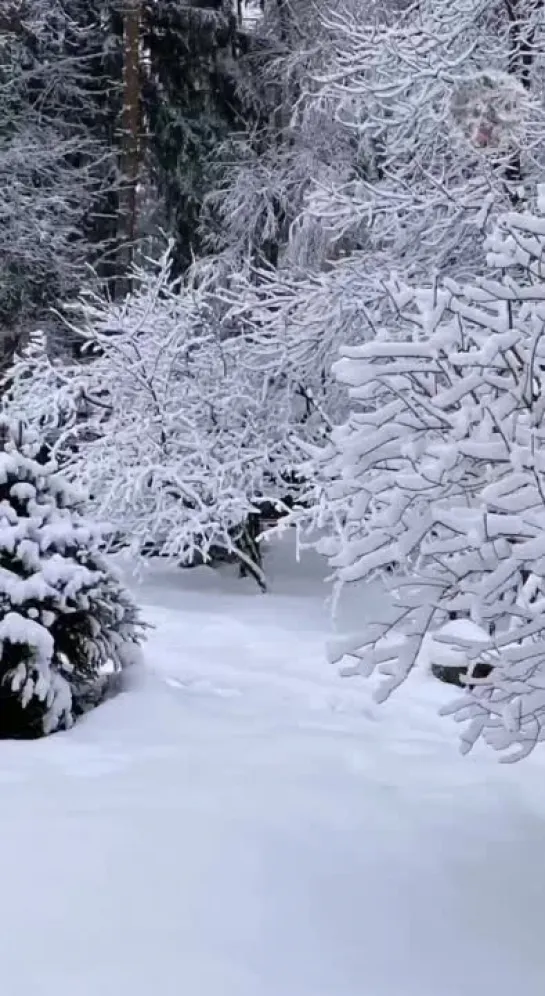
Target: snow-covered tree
450	100
381	127
56	160
191	103
285	143
436	484
390	133
177	422
65	617
283	313
274	264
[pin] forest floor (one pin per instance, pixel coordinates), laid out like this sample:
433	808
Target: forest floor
243	822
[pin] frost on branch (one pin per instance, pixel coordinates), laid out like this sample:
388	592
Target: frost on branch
64	616
421	77
173	424
436	484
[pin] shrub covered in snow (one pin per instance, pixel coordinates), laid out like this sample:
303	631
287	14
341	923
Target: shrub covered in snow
436	483
177	423
64	616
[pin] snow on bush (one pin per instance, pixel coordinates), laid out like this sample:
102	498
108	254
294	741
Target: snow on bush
436	483
174	423
64	615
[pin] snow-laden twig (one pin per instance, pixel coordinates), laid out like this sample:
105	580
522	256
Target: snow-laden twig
180	429
436	483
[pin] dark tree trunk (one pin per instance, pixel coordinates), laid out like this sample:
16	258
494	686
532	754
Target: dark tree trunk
130	139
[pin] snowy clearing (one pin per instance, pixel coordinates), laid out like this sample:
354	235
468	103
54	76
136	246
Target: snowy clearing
245	823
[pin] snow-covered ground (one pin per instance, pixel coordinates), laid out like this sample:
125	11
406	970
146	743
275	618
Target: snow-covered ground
245	823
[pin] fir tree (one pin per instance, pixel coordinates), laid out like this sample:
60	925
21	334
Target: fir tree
191	104
65	618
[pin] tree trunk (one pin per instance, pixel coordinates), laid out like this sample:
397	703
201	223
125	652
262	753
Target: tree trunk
130	140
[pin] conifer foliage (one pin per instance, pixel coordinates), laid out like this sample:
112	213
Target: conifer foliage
65	618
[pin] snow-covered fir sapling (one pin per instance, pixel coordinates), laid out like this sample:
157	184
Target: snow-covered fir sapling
66	620
436	485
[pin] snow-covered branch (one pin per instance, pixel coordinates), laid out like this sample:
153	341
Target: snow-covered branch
436	484
179	428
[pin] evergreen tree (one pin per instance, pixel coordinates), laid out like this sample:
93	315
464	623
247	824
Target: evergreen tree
191	103
64	615
92	40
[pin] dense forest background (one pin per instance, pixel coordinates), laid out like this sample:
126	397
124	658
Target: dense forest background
285	259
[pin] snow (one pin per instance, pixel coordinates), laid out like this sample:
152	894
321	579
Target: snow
242	822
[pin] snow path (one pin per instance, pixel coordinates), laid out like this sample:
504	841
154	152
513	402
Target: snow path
243	823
